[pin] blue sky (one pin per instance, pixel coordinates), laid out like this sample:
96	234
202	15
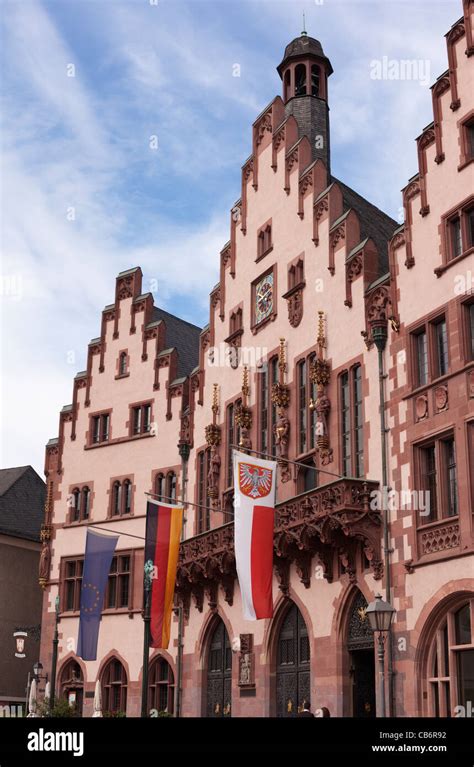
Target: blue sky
84	195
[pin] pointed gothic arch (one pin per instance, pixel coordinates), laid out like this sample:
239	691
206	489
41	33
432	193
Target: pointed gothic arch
217	676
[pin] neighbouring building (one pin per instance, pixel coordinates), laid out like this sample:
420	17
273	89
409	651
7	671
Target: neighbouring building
337	339
22	502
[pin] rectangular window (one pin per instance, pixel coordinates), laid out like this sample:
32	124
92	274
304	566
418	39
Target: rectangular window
450	478
471	330
469	128
96	429
273	407
455	237
358	421
230	442
72	585
313	394
302	413
118	585
441	343
264	410
421	358
469	220
346	426
100	428
203	515
141	419
429	481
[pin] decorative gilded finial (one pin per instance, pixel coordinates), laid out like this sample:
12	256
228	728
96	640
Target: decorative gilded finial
215	402
245	386
321	336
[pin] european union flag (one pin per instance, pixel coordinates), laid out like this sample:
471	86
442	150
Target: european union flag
99	552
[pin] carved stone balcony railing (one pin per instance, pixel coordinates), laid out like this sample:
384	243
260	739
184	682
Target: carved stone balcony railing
333	518
438	537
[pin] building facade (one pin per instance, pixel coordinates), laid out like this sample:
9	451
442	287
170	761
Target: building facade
342	344
22	502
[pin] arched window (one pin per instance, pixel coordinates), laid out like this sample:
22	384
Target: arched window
86	499
123	363
451	663
314	80
161	687
114	687
300	80
159	487
171	486
72	685
116	498
287	82
127	492
76	505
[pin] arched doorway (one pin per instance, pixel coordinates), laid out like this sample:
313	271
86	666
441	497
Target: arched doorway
219	673
293	686
72	685
360	645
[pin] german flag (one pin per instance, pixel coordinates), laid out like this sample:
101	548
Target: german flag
163	533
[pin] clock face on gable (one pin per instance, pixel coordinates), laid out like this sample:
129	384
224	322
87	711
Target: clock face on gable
264	298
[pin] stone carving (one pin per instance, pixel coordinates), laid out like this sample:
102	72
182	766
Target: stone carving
441	398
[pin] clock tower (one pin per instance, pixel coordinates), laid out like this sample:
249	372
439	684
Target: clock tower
305	71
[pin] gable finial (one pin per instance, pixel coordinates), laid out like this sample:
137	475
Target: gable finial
304	32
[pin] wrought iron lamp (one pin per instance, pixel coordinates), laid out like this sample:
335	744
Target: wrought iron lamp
380	615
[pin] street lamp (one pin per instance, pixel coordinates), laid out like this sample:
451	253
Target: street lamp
380	615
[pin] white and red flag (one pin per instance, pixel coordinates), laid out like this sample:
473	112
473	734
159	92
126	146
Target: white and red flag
254	504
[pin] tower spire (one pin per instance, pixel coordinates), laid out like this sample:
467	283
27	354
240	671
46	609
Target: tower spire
304	32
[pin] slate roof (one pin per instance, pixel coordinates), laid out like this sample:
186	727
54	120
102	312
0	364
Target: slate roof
22	497
374	222
302	46
183	336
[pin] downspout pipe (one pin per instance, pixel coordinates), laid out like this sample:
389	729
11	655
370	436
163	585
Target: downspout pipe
184	451
379	335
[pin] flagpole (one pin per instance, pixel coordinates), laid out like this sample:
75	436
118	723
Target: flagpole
146	641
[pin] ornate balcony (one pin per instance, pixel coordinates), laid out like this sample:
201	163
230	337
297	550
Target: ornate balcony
335	517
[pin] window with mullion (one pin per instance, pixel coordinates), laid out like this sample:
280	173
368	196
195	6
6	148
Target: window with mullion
450	471
346	425
118	585
313	394
203	512
264	397
429	480
421	343
232	439
72	585
471	330
358	421
302	407
441	340
272	405
455	232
